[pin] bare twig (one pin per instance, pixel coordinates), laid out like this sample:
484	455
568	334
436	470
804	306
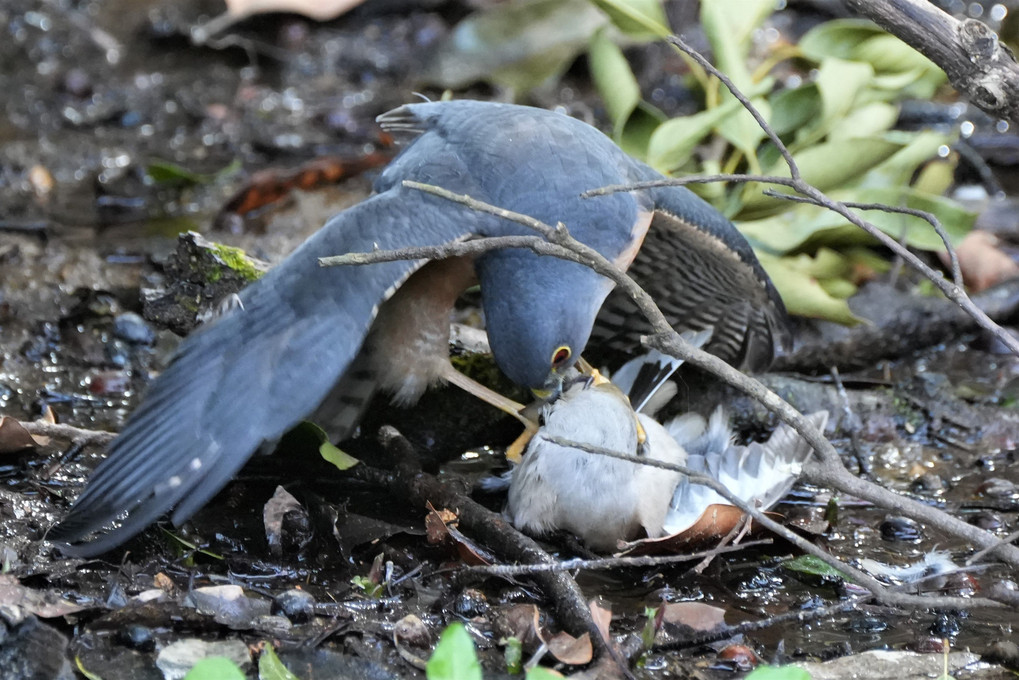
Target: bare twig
609	562
930	218
75	434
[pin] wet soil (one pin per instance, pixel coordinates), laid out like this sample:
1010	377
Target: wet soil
99	93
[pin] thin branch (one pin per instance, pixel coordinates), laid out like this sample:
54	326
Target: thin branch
724	633
608	562
930	218
794	171
75	434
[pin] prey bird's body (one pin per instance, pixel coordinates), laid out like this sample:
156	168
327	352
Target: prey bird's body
297	342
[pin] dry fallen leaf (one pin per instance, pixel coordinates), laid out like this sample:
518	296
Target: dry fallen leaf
570	650
695	615
440	527
14	437
982	261
714	523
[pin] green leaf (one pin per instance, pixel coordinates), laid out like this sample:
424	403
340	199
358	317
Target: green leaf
271	668
888	54
518	45
638	19
795	279
165	172
806	227
794	109
615	81
840	84
956	219
729	26
215	668
633	120
674	141
513	653
331	453
454	657
870	120
778	673
916	148
808	564
337	456
839	38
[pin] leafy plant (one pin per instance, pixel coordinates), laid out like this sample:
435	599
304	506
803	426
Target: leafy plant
837	118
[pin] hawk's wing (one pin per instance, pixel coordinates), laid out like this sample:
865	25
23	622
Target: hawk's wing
256	372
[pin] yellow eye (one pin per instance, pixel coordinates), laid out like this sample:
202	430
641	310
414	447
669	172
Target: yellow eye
561	356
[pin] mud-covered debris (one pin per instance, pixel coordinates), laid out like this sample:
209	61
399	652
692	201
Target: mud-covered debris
31	649
229	605
295	604
42	603
199	274
287	525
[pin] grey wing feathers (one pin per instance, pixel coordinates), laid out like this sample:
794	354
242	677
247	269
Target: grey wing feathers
761	473
256	372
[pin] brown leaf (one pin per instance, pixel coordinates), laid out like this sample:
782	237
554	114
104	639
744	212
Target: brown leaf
695	615
982	262
520	621
435	524
14	437
440	526
602	617
568	649
715	523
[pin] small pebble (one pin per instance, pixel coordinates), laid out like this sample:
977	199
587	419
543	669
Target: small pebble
413	631
986	520
740	657
996	487
928	483
132	328
471	603
900	529
138	637
105	383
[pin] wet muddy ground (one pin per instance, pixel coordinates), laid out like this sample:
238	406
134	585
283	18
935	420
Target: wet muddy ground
100	96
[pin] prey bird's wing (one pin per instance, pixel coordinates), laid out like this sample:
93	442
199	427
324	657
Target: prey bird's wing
254	373
702	274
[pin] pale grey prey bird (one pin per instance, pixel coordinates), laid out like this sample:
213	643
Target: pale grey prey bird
604	500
